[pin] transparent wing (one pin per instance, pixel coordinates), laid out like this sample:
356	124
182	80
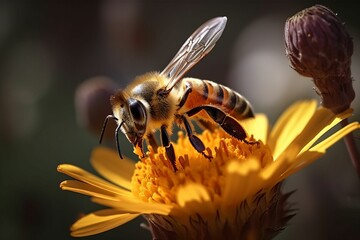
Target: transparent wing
194	49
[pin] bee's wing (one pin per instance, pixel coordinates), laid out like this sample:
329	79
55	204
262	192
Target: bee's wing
194	49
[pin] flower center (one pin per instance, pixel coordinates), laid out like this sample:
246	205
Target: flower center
154	179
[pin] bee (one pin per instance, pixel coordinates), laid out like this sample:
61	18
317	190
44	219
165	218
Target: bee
155	101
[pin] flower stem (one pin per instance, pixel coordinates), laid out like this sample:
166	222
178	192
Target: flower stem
351	147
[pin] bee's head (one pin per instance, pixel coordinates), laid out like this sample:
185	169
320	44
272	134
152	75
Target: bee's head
131	117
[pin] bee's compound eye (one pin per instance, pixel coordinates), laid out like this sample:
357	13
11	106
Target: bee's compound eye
137	110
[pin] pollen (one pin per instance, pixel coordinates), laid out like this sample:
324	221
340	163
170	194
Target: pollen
154	179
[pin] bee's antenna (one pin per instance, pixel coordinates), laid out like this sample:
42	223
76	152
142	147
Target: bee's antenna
117	138
116	132
104	126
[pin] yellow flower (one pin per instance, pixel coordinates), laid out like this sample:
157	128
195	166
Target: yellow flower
235	195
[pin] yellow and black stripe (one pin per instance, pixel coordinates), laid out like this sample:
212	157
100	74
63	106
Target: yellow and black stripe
204	92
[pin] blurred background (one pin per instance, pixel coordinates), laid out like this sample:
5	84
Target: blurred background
60	60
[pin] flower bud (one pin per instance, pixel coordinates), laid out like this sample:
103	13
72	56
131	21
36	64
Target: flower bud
92	104
318	46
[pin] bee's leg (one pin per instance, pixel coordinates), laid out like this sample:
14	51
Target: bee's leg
194	140
152	141
229	124
165	140
188	90
203	124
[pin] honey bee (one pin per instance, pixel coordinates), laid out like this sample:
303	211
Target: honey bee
155	101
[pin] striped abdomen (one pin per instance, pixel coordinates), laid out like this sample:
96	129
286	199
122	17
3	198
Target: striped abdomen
205	92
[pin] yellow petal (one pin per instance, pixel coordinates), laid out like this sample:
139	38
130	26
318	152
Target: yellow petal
289	125
134	206
84	176
90	190
322	118
325	144
320	123
193	197
100	221
325	127
192	192
307	157
299	163
108	163
258	127
271	173
86	189
241	180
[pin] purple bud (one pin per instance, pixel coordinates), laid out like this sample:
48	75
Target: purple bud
318	46
92	104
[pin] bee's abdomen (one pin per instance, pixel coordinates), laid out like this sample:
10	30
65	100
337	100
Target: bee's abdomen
209	93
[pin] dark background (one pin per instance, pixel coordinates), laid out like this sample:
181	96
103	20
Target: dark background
49	48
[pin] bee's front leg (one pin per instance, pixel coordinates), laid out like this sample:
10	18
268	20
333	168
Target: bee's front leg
185	96
194	140
165	140
152	141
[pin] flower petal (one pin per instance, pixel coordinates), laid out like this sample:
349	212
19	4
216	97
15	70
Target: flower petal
307	157
193	197
86	189
111	167
100	221
258	127
84	176
321	122
289	125
299	163
134	206
241	180
325	144
271	173
192	192
325	127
